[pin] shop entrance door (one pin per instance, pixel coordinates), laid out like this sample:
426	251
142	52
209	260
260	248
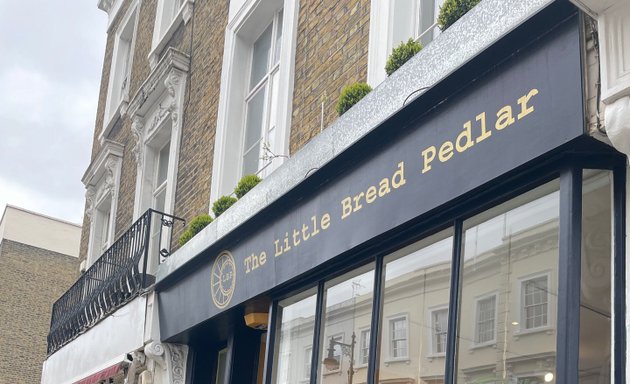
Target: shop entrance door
242	361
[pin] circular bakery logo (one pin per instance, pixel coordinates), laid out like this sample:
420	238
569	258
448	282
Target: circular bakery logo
223	279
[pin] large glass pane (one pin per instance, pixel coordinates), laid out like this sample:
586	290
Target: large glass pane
162	170
402	22
427	18
255	110
294	339
595	303
253	132
415	311
507	321
260	57
278	43
221	366
348	312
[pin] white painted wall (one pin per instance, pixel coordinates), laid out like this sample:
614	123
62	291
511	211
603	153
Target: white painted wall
104	345
40	231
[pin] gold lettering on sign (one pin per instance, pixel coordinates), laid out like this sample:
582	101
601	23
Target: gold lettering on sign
464	140
352	204
297	236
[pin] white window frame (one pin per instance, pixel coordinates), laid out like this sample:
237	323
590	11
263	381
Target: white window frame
112	8
120	77
493	341
362	347
167	21
434	352
156	112
390	350
308	359
247	20
381	15
521	305
102	181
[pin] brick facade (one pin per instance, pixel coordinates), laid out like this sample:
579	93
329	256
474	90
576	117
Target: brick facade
331	52
32	279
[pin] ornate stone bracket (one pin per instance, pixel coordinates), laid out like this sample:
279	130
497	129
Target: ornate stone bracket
169	361
137	129
90	194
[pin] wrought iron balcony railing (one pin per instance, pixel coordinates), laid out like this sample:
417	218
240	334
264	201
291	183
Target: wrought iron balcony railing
117	277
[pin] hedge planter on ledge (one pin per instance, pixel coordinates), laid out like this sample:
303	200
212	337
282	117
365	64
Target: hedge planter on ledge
195	226
351	95
453	10
401	54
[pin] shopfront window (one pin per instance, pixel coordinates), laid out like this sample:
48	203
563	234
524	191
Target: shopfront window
509	288
595	298
508	321
348	310
294	338
417	286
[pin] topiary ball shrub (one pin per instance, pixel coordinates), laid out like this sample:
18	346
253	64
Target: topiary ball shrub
246	184
351	95
222	205
401	54
195	226
452	10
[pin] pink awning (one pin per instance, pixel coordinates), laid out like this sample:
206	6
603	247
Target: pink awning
103	374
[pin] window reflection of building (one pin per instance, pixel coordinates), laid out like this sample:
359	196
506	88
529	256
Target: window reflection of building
486	313
364	343
507	314
439	324
511	249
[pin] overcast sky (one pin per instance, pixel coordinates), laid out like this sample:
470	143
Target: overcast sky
50	66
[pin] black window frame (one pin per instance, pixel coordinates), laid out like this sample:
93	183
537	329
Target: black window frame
568	169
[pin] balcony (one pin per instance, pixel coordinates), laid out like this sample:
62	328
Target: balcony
117	277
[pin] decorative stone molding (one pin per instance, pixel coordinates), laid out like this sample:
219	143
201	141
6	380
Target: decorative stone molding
89	198
105	5
101	176
618	124
138	362
169	70
187	10
137	128
169	361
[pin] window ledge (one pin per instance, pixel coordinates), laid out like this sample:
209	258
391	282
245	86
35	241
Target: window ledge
397	360
330	373
522	332
183	15
492	344
432	356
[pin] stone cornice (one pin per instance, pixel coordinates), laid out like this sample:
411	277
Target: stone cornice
173	62
110	150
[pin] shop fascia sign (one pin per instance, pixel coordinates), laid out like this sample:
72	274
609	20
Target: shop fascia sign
520	110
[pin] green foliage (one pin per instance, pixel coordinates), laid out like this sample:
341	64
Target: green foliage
401	54
222	204
452	10
246	184
194	227
351	95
